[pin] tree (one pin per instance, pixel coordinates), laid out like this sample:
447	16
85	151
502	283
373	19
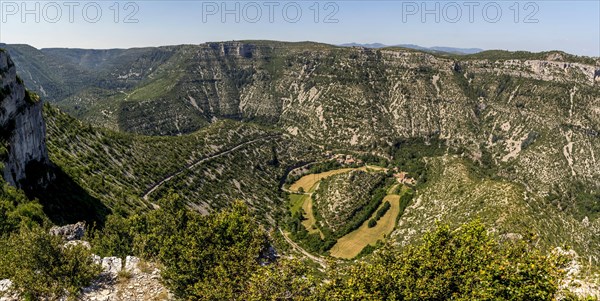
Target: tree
285	280
16	209
205	257
115	238
465	264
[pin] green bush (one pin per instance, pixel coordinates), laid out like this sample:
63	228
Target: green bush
41	268
383	210
215	257
287	280
115	239
465	264
372	223
362	214
17	210
405	200
203	257
31	97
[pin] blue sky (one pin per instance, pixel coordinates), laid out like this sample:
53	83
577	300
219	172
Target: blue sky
572	26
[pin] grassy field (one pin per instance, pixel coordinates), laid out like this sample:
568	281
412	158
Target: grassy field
308	182
310	221
304	201
396	189
351	244
296	202
373	168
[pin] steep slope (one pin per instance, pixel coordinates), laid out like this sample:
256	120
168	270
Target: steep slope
42	74
23	145
458	192
533	113
57	73
210	168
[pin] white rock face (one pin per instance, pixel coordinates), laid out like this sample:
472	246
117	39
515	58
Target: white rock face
96	259
22	125
73	243
5	285
574	281
112	265
131	264
69	232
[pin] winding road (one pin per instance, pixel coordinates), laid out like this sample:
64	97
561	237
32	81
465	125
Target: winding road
200	161
314	258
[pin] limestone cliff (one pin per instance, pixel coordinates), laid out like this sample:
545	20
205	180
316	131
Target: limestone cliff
23	131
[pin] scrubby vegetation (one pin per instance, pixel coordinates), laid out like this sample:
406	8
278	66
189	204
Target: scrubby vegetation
116	169
383	210
380	212
579	201
356	196
465	263
408	155
219	257
203	257
16	210
462	264
37	263
486	135
41	268
31	97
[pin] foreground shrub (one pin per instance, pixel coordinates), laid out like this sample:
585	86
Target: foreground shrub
465	264
41	268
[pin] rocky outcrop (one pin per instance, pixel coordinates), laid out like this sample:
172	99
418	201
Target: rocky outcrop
575	281
69	232
234	48
135	280
112	265
5	294
23	130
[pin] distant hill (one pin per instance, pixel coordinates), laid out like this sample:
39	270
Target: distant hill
417	47
510	138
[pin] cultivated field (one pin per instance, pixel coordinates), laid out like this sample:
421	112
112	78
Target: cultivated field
296	202
308	182
351	244
310	221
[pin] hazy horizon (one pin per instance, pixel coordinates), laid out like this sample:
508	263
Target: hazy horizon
338	45
570	26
